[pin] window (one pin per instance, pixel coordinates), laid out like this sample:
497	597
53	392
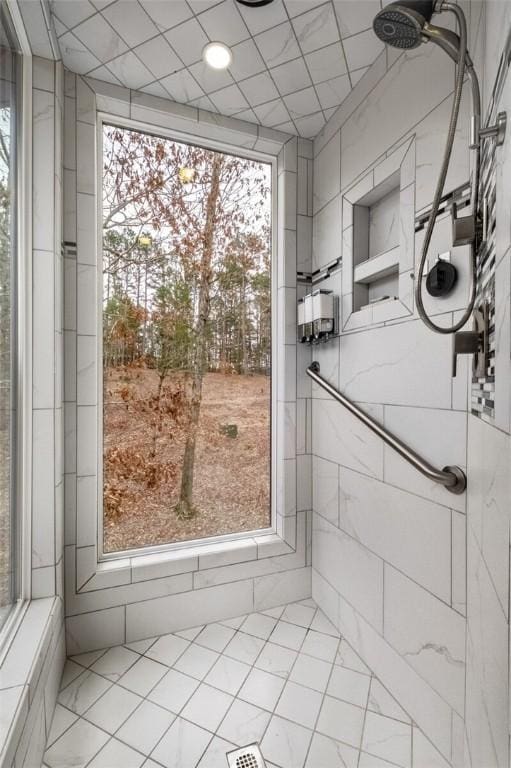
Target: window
186	341
9	129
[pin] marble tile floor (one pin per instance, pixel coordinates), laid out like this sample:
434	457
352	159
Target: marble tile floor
283	678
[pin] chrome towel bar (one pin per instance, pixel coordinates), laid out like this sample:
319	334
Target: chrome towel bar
453	478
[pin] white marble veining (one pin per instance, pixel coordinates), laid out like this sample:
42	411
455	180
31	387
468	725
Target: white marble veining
433	646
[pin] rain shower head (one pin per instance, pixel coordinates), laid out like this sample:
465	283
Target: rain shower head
402	24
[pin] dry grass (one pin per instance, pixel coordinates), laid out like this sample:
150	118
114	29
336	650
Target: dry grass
232	475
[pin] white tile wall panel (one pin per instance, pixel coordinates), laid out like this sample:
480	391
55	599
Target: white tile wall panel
99	629
428	634
488	467
350	568
338	437
486	721
412	367
440	435
411	533
166	614
421	701
419	531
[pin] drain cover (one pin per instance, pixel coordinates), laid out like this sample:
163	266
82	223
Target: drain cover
246	757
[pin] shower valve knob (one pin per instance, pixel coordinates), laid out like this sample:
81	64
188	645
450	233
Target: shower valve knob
441	278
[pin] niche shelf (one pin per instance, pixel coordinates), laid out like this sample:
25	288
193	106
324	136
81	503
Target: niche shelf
378	267
378	241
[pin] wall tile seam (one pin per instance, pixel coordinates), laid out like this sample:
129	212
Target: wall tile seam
40	685
133	566
299	545
192	587
413	725
145	601
252	583
401	139
337	196
386	562
353	96
411	133
488	570
318	395
386	482
387	642
51	626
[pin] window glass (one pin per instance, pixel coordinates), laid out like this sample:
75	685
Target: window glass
9	63
186	341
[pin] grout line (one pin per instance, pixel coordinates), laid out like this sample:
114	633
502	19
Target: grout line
235	697
186	67
388	564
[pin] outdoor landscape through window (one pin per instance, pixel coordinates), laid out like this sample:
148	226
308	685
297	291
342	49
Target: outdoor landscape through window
186	341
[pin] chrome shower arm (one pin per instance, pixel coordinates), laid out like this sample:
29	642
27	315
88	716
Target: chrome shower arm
445	39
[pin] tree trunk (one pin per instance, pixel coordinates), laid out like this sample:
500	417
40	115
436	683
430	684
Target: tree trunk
243	327
157	415
185	508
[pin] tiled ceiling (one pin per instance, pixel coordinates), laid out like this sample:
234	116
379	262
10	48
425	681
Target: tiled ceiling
294	61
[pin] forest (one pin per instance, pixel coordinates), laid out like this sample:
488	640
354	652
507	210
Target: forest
186	341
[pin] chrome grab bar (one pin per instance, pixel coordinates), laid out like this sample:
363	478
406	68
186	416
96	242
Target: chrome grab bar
453	478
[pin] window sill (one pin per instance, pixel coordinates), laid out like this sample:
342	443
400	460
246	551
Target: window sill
21	668
188	558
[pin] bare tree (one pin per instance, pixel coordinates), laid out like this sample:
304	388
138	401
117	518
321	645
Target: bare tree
166	244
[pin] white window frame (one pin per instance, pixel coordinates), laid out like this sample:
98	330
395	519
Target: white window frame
195	569
23	510
103	119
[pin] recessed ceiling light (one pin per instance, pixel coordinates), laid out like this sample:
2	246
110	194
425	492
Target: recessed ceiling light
217	55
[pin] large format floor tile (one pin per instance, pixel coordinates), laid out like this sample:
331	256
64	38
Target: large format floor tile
282	678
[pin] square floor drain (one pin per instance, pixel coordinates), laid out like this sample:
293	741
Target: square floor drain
246	757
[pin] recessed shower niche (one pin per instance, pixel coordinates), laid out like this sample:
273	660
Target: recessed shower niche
378	241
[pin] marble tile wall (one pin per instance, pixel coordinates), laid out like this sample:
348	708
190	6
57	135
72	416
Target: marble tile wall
417	579
30	671
489	457
129	598
48	348
29	684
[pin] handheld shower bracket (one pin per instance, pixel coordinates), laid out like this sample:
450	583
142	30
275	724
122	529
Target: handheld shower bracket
497	131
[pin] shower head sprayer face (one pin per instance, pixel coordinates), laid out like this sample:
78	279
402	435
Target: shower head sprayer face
401	24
